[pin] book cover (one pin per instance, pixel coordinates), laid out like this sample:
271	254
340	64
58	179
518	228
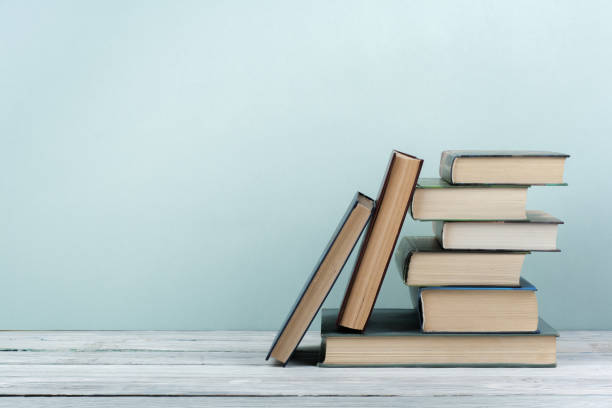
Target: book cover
434	182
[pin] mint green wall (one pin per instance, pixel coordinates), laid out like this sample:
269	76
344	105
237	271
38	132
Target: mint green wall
181	165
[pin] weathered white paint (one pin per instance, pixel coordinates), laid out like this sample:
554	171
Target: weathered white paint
457	401
217	368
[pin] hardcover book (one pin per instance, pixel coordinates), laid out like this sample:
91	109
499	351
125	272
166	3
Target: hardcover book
322	278
422	262
435	199
502	167
393	339
536	233
377	248
477	309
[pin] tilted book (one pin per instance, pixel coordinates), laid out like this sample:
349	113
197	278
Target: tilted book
322	278
377	248
393	339
527	167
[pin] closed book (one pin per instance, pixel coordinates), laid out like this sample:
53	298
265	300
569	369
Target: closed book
527	167
322	278
377	247
421	261
477	309
538	232
436	199
393	339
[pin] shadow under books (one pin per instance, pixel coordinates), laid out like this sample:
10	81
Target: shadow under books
304	356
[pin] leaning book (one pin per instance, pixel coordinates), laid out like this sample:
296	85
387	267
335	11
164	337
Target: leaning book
322	278
377	248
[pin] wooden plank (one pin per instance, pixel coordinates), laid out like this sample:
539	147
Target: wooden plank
570	341
220	365
306	357
148	357
458	401
134	340
594	378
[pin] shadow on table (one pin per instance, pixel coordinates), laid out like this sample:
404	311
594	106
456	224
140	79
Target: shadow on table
304	356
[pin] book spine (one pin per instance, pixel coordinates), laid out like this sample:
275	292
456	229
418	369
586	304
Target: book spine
400	257
415	297
405	267
415	294
402	260
446	167
438	229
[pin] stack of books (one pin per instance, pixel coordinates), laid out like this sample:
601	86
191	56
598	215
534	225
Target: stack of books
471	306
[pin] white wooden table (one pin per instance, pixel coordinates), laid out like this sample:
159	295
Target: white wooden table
194	369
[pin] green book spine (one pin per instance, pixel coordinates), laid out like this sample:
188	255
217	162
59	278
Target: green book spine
446	166
438	228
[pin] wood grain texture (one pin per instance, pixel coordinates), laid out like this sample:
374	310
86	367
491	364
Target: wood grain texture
457	401
99	369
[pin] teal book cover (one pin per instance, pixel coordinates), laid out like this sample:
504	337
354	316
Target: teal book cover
434	182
